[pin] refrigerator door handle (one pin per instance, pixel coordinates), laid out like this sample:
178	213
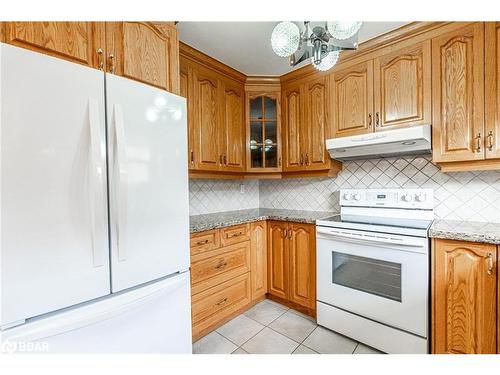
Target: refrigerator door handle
121	160
95	179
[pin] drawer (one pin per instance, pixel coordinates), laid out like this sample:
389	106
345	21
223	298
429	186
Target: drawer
217	266
235	234
205	241
217	303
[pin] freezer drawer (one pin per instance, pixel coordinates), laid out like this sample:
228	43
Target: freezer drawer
155	318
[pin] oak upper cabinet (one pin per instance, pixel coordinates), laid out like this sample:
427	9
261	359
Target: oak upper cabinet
318	128
458	94
206	125
295	130
464	297
402	87
277	258
302	269
232	132
492	82
352	100
258	259
144	51
79	42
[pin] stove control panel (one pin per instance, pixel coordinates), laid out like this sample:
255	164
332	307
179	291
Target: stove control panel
391	198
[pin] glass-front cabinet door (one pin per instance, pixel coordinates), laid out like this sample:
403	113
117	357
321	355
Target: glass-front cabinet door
264	154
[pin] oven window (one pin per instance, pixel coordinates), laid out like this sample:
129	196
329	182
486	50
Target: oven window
373	276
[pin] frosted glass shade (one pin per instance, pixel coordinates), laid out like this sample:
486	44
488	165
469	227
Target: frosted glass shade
285	38
327	62
343	30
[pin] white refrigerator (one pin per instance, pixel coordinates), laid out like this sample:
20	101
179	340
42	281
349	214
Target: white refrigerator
94	215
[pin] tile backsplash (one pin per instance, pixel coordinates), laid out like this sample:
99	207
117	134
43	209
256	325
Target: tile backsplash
458	196
208	196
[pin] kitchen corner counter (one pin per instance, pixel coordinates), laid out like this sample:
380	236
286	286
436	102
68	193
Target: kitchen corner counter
200	223
472	231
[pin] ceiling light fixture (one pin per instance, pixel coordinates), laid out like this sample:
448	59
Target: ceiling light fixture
322	45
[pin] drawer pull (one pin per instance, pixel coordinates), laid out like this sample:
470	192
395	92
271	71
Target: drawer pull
202	242
221	302
236	234
221	264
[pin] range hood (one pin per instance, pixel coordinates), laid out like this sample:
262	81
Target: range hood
406	141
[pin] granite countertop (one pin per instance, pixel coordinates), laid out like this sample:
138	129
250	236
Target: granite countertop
466	231
200	223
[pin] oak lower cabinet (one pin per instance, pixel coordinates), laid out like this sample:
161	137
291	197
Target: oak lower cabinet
292	264
228	273
464	298
143	51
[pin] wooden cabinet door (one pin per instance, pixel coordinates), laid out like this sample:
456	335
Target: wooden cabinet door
144	51
206	124
233	129
302	269
186	90
402	87
352	100
492	82
295	136
464	297
277	258
458	94
258	258
77	42
317	124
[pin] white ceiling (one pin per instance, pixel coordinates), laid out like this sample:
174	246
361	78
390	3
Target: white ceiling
246	46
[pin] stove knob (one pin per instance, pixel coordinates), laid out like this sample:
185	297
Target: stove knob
347	196
357	197
420	197
406	197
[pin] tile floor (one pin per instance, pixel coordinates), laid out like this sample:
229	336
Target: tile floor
271	328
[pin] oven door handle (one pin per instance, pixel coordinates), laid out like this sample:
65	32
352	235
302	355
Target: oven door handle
362	238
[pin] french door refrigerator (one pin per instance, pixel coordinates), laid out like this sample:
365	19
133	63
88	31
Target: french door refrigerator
94	252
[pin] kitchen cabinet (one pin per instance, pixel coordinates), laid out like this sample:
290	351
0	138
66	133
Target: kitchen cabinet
263	129
492	82
458	94
402	87
295	129
79	42
302	269
142	51
464	301
292	264
216	116
352	100
258	259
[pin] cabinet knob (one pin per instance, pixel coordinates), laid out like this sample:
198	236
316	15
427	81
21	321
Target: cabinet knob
111	63
377	119
478	145
490	141
100	53
369	119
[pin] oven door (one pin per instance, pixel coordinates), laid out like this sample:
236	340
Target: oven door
383	277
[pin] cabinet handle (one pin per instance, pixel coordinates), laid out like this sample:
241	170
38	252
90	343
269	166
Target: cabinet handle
221	302
490	140
289	233
377	119
489	256
221	264
192	157
478	146
100	53
301	159
201	242
112	63
236	234
225	160
307	159
279	161
369	119
220	159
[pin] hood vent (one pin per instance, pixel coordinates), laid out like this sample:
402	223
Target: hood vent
406	141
